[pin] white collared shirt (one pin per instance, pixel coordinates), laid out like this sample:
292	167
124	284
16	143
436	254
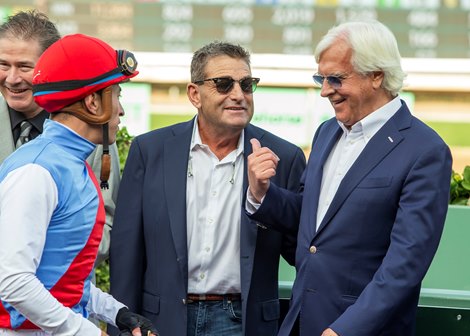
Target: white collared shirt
213	213
347	149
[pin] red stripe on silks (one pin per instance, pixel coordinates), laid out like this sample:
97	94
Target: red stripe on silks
28	325
83	263
5	321
69	289
4	318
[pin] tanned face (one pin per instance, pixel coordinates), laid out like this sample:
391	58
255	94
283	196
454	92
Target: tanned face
17	60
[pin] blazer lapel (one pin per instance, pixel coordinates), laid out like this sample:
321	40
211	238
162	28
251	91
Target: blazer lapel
381	144
6	139
248	231
176	154
314	175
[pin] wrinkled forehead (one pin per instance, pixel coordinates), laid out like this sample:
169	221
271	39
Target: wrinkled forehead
220	66
336	59
18	51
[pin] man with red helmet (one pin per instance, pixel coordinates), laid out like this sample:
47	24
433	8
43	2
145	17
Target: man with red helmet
55	228
24	36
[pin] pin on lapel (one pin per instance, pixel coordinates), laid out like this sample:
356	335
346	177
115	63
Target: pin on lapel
389	138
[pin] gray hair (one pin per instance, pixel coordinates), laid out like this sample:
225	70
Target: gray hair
217	48
374	48
30	26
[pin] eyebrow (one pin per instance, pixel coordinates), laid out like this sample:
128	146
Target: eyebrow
337	74
19	63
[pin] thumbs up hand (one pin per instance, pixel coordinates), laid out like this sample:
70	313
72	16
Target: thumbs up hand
262	164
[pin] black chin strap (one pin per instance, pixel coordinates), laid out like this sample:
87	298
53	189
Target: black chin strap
105	159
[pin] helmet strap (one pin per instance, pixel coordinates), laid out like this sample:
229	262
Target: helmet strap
105	159
79	109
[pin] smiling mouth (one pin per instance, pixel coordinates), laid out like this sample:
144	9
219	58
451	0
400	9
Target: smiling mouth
336	102
17	90
235	108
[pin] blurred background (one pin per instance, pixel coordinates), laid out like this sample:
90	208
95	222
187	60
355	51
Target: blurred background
433	37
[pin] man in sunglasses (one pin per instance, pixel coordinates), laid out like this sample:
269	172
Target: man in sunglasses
375	198
198	266
51	209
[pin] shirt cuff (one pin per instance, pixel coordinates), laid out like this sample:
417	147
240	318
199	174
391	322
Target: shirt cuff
251	205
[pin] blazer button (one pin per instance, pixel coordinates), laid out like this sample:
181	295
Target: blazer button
313	249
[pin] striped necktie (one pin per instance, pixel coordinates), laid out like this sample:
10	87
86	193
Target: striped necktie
25	129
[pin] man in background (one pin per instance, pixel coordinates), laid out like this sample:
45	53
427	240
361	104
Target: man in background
183	252
23	38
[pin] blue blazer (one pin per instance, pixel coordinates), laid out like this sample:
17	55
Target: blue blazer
149	256
360	273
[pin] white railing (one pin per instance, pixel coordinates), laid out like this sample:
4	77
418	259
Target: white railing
297	70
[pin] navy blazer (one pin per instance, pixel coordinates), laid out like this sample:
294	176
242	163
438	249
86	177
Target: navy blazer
360	273
149	256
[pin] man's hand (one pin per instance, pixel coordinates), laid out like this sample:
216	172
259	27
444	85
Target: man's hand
262	164
132	324
329	332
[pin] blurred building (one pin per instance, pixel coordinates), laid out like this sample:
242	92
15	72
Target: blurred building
433	37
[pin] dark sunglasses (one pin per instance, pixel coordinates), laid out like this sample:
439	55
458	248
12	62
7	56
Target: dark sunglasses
334	81
225	84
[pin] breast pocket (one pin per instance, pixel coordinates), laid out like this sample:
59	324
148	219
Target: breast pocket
376	182
372	192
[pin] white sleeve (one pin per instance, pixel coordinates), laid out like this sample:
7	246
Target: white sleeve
103	306
251	205
28	197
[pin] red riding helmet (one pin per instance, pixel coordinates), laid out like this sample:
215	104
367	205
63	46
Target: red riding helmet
76	66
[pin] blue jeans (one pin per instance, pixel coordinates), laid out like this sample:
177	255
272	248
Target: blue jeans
215	318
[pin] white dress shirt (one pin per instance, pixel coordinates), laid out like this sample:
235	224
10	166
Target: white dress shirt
347	149
213	197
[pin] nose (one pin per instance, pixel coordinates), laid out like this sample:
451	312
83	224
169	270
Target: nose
13	76
121	110
237	93
326	89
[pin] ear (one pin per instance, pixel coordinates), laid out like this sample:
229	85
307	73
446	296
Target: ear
93	103
377	79
192	90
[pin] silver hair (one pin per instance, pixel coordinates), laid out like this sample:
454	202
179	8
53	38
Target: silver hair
374	48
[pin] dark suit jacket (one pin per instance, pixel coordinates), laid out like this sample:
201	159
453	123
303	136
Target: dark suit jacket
361	272
149	258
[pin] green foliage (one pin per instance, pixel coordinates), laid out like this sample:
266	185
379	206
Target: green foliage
460	187
102	276
123	142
